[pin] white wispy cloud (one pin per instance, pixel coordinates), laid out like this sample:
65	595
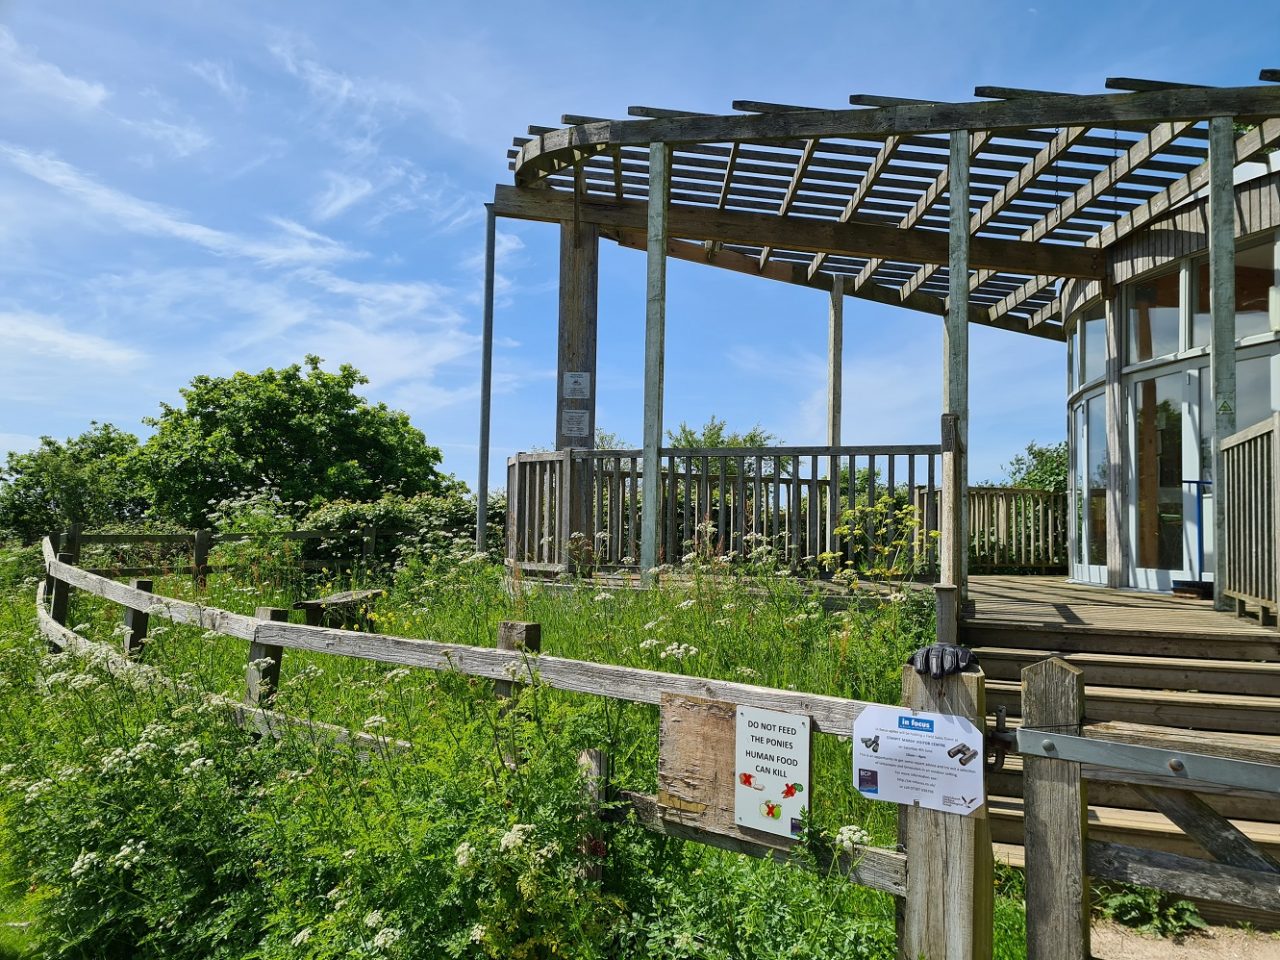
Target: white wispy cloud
30	335
180	139
221	76
341	192
295	245
25	72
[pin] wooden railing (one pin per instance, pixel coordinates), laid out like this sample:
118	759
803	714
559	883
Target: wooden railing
1014	529
1251	468
586	505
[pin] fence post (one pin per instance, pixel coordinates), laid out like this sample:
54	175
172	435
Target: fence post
136	623
72	545
947	914
595	765
262	680
946	600
55	541
368	542
200	557
1055	813
514	635
61	594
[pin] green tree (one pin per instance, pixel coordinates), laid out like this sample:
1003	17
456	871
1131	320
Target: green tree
304	433
1041	467
713	434
91	479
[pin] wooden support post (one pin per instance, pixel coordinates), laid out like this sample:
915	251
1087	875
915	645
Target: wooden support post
55	541
486	385
946	603
368	547
200	557
654	350
1117	544
950	884
595	767
1222	304
72	544
514	635
955	376
263	679
61	599
1056	811
136	624
576	357
835	360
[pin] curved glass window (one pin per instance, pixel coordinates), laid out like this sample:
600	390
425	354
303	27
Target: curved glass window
1093	354
1154	314
1254	279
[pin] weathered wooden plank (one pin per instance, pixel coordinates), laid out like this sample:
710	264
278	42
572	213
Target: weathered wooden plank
1183	875
657	220
1222	305
1056	819
1222	839
262	673
180	611
848	238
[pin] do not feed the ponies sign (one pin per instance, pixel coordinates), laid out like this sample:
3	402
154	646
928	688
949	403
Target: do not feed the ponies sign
771	772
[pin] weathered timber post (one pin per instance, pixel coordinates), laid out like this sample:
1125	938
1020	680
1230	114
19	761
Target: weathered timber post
595	766
1117	543
955	376
263	679
946	601
55	543
136	624
947	914
72	544
1055	815
514	635
61	599
1222	305
654	349
835	401
368	545
200	557
486	385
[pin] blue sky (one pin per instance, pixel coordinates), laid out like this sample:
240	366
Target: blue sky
201	187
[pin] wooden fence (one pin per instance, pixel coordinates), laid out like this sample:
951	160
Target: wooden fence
944	877
1014	529
584	506
1251	496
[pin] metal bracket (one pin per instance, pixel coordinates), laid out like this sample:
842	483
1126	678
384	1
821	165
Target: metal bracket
1000	741
1245	774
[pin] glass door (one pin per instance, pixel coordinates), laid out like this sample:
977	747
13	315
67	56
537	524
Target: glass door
1089	490
1168	500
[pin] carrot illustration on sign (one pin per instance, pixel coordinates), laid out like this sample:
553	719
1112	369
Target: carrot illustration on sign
791	789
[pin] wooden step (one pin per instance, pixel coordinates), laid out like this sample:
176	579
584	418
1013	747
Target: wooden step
1197	711
1256	645
1138	828
1113	787
1152	673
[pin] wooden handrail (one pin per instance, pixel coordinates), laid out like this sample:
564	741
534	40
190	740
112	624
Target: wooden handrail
1249	560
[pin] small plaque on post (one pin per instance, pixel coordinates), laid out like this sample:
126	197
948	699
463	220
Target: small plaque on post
575	423
577	385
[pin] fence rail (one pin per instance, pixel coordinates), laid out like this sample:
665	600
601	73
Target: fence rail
721	501
1250	569
1014	528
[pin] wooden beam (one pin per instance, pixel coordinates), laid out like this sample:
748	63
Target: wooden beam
931	196
1135	156
868	182
876	100
1117	542
856	239
658	227
1048	155
1217	835
1247	144
1132	84
1222	305
540	156
1017	298
797	178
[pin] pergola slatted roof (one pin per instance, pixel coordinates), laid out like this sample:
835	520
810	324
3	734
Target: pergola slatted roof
805	195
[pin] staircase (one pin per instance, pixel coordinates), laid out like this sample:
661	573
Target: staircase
1158	671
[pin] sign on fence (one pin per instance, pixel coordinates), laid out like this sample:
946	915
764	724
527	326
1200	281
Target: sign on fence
771	782
917	758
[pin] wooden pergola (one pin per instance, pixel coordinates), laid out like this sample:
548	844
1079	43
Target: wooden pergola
991	212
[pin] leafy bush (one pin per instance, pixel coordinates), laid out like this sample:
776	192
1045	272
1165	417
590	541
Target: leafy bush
1150	911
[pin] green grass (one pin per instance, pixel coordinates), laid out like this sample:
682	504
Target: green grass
660	898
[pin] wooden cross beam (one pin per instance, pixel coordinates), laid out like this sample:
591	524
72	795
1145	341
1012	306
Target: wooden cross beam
857	239
868	182
797	178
